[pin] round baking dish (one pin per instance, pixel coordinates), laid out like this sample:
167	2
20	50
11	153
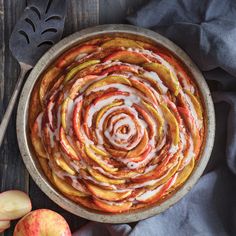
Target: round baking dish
32	163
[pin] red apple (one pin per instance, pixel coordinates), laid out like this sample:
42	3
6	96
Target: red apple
42	222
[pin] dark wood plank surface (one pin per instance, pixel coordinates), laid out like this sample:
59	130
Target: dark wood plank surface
80	14
13	174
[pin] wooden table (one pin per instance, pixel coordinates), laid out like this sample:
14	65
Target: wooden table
81	14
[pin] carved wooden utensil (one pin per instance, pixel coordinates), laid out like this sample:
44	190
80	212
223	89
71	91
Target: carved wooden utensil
40	26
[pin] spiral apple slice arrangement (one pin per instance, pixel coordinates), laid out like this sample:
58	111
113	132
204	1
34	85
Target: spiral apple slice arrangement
118	125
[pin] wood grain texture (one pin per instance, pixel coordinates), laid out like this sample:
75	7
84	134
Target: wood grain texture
80	14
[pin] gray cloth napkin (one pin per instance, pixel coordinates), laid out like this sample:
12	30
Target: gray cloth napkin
206	30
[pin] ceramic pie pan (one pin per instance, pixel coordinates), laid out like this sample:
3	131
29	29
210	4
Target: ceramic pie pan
33	165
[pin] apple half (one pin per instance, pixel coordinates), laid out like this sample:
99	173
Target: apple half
14	204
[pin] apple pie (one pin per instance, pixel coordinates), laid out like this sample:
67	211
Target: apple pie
117	124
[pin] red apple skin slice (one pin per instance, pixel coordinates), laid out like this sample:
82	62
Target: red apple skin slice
85	202
121	42
185	113
158	171
5	224
144	89
162	191
127	56
45	83
14	204
113	208
67	148
36	141
140	148
42	222
119	68
106	95
76	121
73	53
110	94
143	156
107	194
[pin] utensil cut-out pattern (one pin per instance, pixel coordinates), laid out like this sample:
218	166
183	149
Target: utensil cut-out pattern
40	26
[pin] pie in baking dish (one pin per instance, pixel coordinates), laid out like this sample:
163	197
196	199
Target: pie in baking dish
117	124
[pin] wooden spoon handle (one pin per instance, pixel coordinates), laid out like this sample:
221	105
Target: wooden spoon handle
24	69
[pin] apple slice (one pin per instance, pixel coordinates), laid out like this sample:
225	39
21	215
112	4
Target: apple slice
121	42
147	119
70	55
67	148
62	163
99	151
170	173
36	140
113	207
152	196
159	170
172	122
143	156
110	94
115	152
66	188
46	169
140	148
107	194
184	174
156	116
48	77
78	84
42	222
77	121
127	56
104	109
4	225
99	160
196	104
166	76
104	179
107	80
85	202
64	111
116	68
14	204
78	68
144	89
